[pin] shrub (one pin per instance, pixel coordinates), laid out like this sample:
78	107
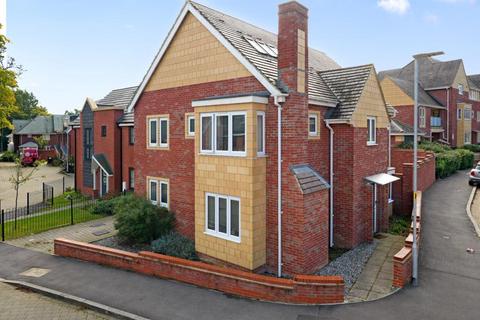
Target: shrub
138	221
176	245
472	147
447	163
8	156
399	225
433	146
105	207
466	158
56	162
405	145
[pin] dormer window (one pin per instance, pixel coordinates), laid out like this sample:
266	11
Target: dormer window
460	89
262	47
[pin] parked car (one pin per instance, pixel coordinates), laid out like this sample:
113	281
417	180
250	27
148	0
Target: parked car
474	177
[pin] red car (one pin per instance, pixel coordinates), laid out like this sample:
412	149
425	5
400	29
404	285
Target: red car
29	156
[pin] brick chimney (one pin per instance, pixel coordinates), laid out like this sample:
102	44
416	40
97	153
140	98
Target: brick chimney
292	46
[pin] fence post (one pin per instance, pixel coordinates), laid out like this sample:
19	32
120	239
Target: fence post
3	225
53	194
28	203
63	184
71	211
43	191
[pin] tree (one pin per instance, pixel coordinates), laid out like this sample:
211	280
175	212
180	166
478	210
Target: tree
19	177
74	112
9	72
41	142
28	106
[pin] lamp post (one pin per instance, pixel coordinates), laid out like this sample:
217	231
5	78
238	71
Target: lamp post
415	157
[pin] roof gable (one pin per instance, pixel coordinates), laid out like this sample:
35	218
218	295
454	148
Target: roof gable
118	98
424	98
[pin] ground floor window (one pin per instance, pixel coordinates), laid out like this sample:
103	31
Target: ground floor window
131	178
158	191
222	216
468	138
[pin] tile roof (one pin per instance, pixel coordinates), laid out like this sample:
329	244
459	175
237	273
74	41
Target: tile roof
347	85
401	128
19	124
424	99
474	81
103	162
432	73
118	98
308	179
391	111
44	125
126	118
235	30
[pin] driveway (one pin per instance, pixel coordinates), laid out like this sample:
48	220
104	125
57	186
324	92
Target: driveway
45	174
449	278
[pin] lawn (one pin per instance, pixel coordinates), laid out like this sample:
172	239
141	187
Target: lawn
59	217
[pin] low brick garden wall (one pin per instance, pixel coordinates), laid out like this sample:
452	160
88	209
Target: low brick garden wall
301	289
403	260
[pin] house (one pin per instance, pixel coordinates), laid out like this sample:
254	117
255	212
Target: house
474	95
51	128
267	151
446	100
104	138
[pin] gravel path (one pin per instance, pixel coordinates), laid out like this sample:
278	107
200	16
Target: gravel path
350	264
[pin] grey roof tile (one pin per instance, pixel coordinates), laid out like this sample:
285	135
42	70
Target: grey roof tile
118	98
126	118
44	125
19	124
401	128
308	179
102	160
474	81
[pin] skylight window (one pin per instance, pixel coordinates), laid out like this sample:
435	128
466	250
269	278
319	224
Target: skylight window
263	47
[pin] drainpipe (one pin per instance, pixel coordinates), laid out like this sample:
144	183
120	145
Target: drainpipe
277	101
331	182
389	146
448	114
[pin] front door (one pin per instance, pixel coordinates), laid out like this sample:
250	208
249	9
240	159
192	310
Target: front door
104	183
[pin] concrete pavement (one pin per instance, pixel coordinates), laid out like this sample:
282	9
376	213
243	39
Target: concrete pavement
449	283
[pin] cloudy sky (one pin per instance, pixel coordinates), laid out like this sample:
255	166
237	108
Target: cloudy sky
78	48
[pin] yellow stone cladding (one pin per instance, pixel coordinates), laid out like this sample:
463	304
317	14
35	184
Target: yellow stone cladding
301	60
394	95
242	177
463	126
461	78
194	56
371	104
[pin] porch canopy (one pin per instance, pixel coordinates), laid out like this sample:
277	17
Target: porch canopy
382	179
100	161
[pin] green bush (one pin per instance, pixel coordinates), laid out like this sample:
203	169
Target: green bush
466	158
472	147
399	225
433	146
105	207
8	156
447	163
56	162
176	245
405	145
138	221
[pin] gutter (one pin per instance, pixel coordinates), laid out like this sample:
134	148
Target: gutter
278	99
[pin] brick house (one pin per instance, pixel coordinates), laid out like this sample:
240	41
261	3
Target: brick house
206	121
448	100
104	137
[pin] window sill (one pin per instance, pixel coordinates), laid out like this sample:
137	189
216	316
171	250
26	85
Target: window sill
222	154
372	144
221	236
158	148
391	201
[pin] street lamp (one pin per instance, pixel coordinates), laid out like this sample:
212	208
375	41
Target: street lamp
415	157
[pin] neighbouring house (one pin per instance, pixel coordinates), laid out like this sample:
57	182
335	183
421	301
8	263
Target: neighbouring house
104	137
267	151
51	128
474	94
448	100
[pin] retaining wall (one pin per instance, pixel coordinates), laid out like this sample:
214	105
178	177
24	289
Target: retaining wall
301	289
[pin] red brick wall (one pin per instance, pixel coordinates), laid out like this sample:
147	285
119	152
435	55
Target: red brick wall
177	164
71	143
128	155
58	138
299	290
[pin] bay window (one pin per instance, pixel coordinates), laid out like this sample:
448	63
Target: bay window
223	133
222	216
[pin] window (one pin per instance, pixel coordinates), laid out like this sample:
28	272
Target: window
261	133
421	117
222	216
468	138
87	143
478	116
460	89
223	133
158	191
467	113
104	131
262	47
191	125
459	114
131	178
158	132
131	135
312	125
372	130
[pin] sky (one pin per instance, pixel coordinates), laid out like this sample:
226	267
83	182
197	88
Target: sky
73	49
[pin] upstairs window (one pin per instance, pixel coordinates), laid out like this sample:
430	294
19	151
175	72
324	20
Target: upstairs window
104	131
191	125
87	143
260	133
223	133
131	135
459	114
421	117
372	130
158	132
460	89
467	114
313	125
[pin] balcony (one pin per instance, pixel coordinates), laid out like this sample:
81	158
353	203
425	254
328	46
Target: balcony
435	122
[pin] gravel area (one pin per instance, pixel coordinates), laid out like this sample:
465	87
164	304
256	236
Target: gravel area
350	264
113	242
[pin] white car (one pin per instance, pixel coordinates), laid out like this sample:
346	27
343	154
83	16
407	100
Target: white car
474	176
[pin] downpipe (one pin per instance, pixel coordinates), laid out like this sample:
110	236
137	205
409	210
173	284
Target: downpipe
331	184
277	101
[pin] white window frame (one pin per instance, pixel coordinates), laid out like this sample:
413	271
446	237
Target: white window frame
160	121
460	89
373	120
189	127
469	113
478	116
313	133
160	186
150	181
216	233
422	117
150	121
213	137
261	149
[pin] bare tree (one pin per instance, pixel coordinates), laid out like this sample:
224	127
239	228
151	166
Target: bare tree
19	177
